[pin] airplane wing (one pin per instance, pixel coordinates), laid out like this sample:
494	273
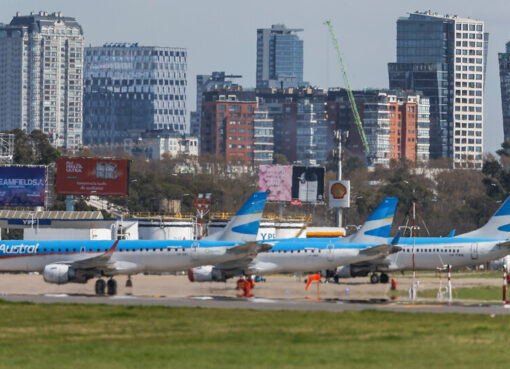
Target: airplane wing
251	249
381	250
504	245
94	262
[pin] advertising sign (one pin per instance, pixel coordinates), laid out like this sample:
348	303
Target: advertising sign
89	176
308	183
277	179
339	194
22	186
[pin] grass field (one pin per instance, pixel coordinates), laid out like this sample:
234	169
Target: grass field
100	336
486	293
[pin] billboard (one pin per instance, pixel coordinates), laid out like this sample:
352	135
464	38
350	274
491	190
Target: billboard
339	194
22	186
90	176
277	179
308	183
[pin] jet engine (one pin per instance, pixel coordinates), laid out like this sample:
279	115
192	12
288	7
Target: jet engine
206	273
57	273
62	273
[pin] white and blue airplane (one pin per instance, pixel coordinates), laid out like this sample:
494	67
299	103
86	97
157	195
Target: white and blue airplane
491	242
78	261
311	255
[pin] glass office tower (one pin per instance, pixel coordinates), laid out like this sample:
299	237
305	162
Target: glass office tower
279	57
444	57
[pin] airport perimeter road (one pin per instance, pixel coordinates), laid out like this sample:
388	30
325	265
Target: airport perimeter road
257	303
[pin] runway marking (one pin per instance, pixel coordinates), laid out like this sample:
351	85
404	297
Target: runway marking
262	300
202	298
411	306
56	295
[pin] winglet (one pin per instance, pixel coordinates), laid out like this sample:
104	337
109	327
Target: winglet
452	233
114	246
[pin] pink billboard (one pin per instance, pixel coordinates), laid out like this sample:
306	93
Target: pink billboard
277	179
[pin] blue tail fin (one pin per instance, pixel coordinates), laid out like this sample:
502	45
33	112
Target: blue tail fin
498	225
378	225
244	226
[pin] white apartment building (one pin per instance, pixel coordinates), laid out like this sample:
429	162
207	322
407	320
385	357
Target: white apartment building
41	76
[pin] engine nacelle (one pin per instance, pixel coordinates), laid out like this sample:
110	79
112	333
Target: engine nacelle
206	273
58	273
350	271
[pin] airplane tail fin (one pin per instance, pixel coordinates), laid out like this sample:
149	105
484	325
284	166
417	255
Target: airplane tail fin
377	227
244	226
498	225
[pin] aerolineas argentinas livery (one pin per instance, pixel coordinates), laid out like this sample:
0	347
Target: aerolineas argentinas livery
488	243
78	261
311	255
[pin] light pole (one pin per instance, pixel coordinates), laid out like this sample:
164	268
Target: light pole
413	235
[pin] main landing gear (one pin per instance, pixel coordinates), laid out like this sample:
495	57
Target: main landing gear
110	287
384	278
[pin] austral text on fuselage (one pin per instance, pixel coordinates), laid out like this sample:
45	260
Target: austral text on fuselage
19	249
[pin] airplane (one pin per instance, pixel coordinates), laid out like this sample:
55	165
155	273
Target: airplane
76	261
310	255
490	242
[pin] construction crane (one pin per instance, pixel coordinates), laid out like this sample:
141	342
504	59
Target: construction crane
354	108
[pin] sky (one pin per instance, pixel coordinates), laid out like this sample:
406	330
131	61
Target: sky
220	35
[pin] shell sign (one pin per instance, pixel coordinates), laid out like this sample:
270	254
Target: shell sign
339	194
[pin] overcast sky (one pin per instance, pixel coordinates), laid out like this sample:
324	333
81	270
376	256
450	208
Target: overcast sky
221	35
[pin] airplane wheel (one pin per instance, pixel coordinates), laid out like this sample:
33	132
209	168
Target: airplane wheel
336	279
374	278
100	287
384	278
111	287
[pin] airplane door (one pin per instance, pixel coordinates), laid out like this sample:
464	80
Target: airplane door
194	249
329	251
474	251
82	250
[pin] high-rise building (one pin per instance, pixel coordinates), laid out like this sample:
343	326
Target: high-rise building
444	57
227	124
263	144
279	57
396	123
204	82
504	76
130	89
41	74
300	126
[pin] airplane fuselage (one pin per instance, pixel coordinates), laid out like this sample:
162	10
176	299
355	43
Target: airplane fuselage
433	253
309	255
129	256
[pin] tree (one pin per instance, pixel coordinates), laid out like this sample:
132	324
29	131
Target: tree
34	148
280	159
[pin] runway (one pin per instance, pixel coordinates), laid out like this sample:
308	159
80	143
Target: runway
221	302
278	293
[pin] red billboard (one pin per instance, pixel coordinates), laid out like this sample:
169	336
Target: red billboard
88	176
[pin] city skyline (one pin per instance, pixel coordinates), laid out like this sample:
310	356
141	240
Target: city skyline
366	31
